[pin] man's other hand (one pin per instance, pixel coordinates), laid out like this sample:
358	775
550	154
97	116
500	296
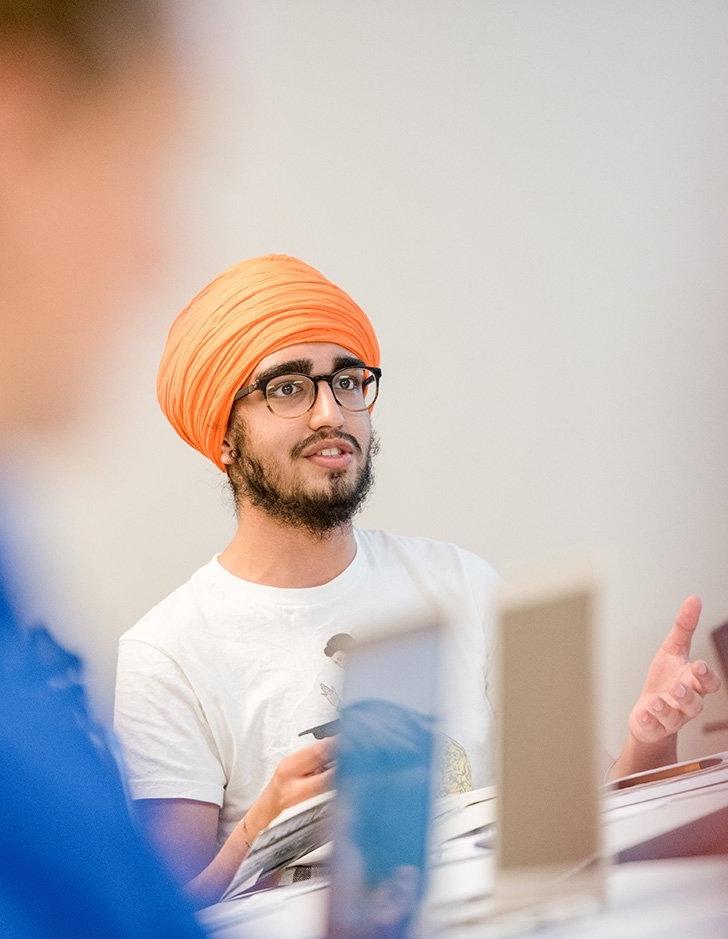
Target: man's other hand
675	687
303	774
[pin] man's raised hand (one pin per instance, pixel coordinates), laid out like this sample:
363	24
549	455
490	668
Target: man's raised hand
675	686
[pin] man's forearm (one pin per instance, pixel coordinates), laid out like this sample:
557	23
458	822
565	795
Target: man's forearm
303	774
637	757
210	884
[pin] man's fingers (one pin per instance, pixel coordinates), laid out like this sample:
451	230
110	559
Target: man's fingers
686	700
314	785
704	678
649	728
308	760
680	636
326	753
671	718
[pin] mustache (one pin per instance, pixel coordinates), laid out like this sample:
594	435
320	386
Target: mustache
321	435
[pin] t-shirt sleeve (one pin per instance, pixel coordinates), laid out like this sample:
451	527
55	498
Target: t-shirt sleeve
485	583
169	749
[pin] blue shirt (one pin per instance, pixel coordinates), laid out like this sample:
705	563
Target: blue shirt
72	863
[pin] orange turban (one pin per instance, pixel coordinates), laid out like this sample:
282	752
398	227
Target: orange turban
253	309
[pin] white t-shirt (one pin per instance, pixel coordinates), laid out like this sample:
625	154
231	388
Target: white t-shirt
217	681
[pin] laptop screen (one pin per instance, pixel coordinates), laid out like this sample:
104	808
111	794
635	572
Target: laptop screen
385	752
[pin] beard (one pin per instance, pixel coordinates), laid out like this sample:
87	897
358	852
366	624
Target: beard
260	483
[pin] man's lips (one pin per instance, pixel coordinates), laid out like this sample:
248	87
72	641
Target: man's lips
338	462
333	453
333	446
323	441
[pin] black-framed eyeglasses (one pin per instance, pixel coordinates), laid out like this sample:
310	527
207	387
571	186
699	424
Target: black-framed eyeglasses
355	388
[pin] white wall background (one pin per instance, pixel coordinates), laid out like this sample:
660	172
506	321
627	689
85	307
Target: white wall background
530	200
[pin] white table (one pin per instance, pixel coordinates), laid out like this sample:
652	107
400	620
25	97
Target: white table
645	898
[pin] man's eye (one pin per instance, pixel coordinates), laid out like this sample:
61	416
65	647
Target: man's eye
285	389
348	382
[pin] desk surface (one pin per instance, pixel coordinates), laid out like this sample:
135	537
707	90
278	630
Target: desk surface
667	899
652	898
675	899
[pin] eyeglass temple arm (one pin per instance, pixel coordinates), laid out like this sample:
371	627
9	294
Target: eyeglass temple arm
246	391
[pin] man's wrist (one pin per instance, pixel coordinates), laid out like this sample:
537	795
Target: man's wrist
257	818
641	756
248	839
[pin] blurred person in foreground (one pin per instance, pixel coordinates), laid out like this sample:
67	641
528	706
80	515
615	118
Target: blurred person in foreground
271	372
85	96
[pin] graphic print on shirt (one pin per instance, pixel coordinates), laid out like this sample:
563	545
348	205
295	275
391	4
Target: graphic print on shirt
456	773
337	649
329	682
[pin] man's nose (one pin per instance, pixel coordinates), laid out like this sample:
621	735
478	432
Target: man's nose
326	411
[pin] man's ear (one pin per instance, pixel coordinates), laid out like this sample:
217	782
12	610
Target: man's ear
228	453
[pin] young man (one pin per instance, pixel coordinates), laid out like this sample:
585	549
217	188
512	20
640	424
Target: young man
272	373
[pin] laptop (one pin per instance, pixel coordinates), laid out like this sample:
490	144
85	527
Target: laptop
385	764
545	862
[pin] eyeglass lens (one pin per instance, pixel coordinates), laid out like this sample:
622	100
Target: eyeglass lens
355	389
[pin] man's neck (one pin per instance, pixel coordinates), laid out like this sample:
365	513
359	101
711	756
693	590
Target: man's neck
268	552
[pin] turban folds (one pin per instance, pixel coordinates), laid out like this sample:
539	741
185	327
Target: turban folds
254	308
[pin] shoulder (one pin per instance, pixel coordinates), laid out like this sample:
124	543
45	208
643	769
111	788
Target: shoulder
173	618
440	558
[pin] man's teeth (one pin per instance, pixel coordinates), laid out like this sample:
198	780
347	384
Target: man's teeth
332	451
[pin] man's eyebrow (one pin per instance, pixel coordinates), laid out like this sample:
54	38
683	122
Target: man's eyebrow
343	361
297	366
305	367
